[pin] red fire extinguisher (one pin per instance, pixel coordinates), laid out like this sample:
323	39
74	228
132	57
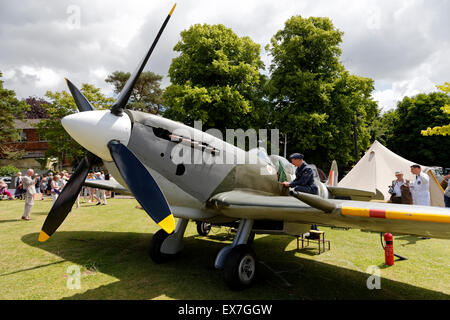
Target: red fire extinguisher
389	249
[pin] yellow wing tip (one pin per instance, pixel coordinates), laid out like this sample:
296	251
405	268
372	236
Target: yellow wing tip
173	8
43	236
167	224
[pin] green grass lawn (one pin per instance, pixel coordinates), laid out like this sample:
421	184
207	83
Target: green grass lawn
109	246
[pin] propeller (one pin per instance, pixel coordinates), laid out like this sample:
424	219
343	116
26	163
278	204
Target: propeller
82	103
142	185
124	95
64	202
130	167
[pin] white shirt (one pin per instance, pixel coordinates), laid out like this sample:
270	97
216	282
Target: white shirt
397	189
421	190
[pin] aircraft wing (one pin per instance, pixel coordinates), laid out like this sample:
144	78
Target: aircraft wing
306	208
355	194
111	185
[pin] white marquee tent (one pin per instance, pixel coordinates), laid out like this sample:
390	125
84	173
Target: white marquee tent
377	168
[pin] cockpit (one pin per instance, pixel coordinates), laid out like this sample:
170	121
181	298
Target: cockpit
286	170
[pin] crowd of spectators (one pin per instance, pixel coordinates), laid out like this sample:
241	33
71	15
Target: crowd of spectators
51	184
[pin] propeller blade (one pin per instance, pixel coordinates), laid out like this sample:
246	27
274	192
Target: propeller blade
142	185
66	199
124	95
82	103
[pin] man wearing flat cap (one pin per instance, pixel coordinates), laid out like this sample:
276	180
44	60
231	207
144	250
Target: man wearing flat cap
304	176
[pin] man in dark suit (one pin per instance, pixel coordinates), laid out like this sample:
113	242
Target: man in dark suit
303	182
304	176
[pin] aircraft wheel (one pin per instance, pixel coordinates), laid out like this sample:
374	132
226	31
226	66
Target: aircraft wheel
240	267
155	247
203	228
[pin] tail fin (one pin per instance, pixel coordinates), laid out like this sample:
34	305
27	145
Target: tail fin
333	176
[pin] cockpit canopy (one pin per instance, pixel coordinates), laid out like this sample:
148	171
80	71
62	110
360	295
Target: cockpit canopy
278	161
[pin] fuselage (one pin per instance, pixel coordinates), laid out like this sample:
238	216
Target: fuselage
188	164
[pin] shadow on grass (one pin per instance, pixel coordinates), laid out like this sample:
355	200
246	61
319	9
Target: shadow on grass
410	239
39	213
33	268
284	275
11	220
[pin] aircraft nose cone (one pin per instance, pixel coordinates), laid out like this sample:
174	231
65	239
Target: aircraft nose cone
94	129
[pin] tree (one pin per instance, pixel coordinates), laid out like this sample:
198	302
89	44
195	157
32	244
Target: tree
8	171
382	128
61	145
445	129
317	103
11	109
36	111
146	95
413	113
215	79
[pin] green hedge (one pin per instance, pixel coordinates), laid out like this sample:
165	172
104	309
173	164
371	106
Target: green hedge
8	170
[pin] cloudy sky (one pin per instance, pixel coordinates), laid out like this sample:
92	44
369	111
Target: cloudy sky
404	45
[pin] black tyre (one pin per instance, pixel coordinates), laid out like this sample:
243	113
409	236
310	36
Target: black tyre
240	267
155	247
203	228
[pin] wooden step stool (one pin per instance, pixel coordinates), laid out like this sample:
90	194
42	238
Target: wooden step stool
319	239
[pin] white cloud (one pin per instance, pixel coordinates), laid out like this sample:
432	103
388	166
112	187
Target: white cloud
46	77
38	78
402	44
388	98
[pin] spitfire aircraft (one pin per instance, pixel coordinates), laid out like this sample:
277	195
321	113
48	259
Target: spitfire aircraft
137	149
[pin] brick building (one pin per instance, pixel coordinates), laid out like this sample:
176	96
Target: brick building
33	145
29	142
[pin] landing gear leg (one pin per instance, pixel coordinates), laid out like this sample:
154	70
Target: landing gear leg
166	246
238	260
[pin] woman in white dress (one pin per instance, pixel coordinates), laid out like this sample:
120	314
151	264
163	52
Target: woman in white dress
56	187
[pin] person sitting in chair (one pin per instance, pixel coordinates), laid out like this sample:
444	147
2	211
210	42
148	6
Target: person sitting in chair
4	190
304	176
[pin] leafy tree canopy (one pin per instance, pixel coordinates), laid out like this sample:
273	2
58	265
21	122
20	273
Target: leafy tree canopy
318	103
414	113
382	128
11	109
8	171
36	111
215	79
146	95
445	129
